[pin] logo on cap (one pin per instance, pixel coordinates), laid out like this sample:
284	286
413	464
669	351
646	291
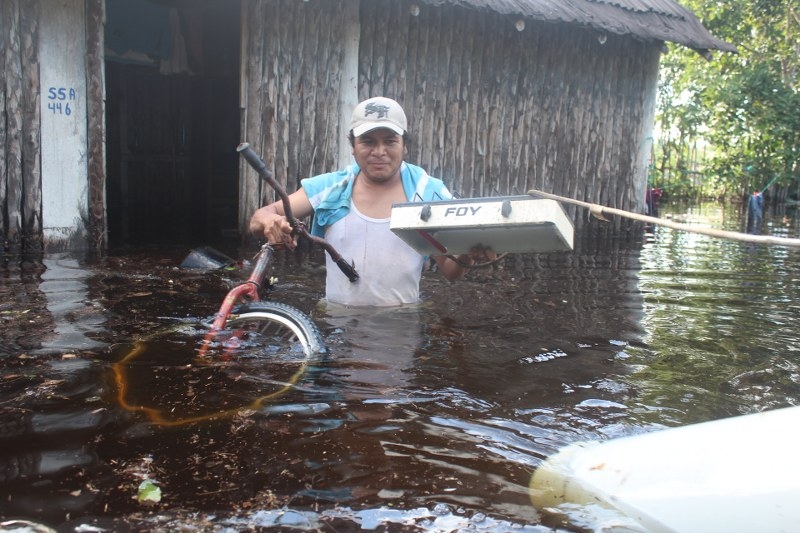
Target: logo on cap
378	112
381	110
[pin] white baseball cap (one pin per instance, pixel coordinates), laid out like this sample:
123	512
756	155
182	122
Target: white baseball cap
378	112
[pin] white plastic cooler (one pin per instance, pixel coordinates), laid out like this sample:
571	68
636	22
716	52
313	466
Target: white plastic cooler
506	224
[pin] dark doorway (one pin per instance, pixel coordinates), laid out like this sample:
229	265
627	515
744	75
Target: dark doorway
172	117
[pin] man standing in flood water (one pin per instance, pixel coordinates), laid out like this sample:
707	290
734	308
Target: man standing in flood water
352	209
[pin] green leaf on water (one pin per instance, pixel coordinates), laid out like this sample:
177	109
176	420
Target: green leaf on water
148	492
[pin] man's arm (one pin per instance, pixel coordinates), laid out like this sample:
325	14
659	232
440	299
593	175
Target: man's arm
270	221
452	270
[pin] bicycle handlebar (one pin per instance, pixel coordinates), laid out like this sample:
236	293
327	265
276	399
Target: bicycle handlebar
298	227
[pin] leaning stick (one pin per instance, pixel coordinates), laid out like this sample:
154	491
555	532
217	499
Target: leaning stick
598	211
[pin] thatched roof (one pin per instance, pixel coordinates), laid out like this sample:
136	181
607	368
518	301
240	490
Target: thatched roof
649	20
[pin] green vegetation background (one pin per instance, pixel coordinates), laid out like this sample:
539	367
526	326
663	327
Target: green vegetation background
729	124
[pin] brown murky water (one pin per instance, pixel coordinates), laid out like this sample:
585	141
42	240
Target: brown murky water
427	418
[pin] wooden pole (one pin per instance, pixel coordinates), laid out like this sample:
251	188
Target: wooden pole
598	211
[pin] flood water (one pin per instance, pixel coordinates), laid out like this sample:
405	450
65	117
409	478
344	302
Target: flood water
427	418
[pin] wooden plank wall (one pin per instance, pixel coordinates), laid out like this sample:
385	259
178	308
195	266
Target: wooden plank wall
293	59
493	110
95	103
20	191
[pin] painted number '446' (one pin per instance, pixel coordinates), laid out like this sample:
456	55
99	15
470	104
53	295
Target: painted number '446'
59	100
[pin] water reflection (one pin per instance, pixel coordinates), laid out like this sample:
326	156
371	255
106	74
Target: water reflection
63	283
50	412
375	348
731	309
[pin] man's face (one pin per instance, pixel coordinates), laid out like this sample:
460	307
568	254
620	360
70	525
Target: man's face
379	153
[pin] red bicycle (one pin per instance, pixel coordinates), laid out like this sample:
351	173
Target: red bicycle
247	317
262	346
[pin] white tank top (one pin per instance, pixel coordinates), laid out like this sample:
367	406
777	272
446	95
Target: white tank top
389	269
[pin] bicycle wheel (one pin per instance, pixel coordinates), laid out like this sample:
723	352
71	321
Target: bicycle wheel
277	330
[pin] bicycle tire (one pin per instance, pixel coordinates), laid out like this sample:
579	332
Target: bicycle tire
281	327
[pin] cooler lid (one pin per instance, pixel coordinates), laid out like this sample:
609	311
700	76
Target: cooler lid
506	224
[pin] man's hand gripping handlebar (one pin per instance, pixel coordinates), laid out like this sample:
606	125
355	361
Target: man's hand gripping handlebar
298	228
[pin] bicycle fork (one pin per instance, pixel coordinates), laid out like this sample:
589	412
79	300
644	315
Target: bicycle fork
248	291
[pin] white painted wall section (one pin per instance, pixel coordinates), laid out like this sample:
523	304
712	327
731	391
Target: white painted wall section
62	50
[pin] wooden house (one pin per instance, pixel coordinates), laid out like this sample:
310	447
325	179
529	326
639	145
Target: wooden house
121	117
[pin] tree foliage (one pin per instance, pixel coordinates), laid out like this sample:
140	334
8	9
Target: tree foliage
731	125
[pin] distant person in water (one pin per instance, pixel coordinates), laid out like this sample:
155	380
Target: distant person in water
755	213
352	208
652	198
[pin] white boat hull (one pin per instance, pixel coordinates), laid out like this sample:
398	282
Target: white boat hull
735	474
